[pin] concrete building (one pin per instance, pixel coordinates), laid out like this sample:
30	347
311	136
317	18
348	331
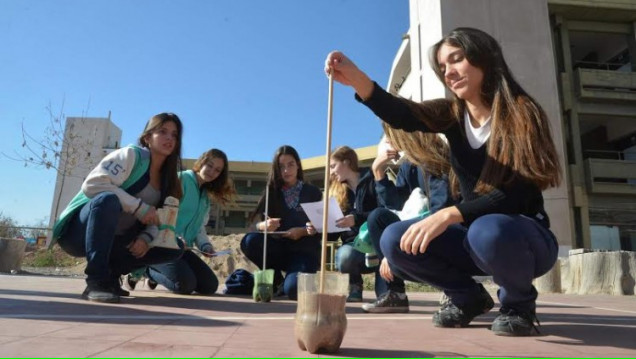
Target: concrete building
575	58
86	141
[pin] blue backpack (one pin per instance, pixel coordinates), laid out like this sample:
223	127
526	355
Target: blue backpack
239	282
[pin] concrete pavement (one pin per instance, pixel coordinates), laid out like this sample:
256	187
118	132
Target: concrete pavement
43	316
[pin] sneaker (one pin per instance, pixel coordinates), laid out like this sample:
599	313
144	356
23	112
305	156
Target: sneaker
452	316
388	302
96	293
118	290
513	323
129	282
443	299
151	284
355	293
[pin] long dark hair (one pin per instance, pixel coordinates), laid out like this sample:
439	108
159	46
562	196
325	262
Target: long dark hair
170	184
520	143
275	181
221	189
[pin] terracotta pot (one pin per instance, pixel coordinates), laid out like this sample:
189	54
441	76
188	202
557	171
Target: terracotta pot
321	321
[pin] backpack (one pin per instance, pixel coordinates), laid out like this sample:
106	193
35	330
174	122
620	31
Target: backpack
239	282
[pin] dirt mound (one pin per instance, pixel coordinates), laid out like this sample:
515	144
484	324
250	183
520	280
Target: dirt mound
223	266
57	262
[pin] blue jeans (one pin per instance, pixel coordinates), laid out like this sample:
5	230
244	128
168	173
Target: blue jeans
350	260
285	255
91	233
185	275
513	249
379	219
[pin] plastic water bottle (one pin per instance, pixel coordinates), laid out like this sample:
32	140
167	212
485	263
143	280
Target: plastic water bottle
371	260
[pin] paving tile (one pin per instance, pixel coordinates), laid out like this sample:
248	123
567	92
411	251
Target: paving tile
9	339
43	316
54	347
103	331
195	338
266	352
30	327
151	350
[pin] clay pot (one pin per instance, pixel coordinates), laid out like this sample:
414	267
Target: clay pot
321	321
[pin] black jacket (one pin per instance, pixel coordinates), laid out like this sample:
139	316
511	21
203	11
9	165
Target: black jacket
361	203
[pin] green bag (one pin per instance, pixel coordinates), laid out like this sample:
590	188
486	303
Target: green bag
362	242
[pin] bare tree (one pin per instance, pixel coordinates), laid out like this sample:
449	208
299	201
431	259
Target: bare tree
56	149
8	227
59	148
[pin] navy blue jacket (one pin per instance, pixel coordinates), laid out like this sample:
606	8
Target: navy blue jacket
361	203
296	217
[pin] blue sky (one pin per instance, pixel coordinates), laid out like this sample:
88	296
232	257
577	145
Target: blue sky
244	76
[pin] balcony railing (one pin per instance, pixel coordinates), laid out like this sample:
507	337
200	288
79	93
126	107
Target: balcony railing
610	176
606	85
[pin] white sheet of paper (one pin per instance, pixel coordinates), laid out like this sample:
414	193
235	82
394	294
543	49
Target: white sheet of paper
314	211
222	253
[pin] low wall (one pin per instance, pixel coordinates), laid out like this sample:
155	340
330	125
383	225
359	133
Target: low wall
587	271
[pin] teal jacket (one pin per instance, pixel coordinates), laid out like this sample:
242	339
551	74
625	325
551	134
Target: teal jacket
194	210
119	169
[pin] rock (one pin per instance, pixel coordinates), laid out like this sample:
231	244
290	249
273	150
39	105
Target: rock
11	254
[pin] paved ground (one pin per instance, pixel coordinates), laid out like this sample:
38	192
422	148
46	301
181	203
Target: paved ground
43	316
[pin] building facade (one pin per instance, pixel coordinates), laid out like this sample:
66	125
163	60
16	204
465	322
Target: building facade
86	141
595	58
574	58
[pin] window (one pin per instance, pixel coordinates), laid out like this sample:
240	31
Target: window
236	219
599	51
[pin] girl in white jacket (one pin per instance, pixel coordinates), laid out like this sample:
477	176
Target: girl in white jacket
113	218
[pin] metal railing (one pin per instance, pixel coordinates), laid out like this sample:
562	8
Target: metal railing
605	154
609	66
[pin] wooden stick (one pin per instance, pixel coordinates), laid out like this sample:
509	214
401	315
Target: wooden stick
323	257
265	229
